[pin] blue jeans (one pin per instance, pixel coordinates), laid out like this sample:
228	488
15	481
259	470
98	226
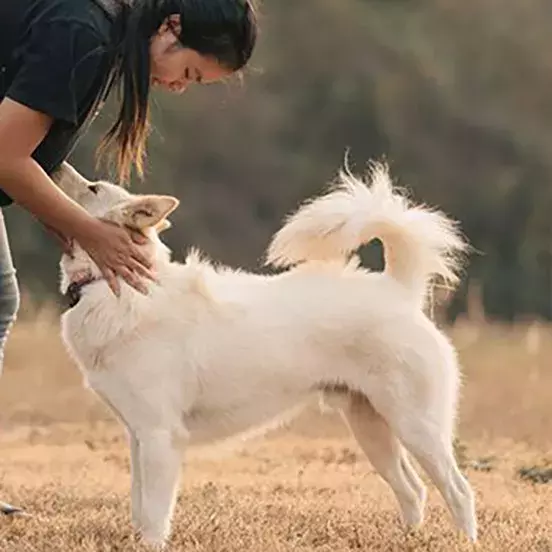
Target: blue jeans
9	304
9	290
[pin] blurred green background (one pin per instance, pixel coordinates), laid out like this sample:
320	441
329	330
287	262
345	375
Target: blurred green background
456	96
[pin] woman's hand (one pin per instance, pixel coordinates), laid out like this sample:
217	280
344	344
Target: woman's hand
115	251
138	262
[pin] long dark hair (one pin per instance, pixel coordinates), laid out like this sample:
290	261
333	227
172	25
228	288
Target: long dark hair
223	29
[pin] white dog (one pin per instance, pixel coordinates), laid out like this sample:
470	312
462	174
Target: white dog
212	352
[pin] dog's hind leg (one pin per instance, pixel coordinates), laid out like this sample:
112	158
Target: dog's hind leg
413	477
423	422
386	454
160	462
436	457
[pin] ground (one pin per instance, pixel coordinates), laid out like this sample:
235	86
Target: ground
305	488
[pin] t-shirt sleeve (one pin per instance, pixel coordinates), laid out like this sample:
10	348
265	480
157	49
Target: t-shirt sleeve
59	65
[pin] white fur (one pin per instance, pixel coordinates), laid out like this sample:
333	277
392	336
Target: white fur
419	242
212	352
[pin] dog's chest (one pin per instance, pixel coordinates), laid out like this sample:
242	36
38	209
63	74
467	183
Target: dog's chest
89	358
92	337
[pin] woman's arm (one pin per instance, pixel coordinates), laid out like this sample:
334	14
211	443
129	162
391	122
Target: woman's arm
21	130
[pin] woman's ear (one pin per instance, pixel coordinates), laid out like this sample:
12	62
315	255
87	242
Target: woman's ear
175	23
171	25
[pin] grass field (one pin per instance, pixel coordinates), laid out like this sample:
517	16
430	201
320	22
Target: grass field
304	488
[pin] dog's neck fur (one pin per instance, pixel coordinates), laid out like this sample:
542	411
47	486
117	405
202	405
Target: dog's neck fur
79	272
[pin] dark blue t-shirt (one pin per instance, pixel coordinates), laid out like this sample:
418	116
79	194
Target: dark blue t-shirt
56	57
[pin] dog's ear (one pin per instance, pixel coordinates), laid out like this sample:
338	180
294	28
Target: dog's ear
70	180
148	211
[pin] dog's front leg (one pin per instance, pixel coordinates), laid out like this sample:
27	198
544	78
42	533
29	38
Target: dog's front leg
136	489
159	452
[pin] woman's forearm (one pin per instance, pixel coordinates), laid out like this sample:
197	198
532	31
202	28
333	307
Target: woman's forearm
29	186
23	179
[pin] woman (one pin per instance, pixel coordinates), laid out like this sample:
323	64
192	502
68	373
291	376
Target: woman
58	61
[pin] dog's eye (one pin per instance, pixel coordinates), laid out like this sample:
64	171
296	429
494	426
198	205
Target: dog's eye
94	188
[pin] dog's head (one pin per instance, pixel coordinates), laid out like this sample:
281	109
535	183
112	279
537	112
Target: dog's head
144	213
113	203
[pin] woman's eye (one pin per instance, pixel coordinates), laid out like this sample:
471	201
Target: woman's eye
187	74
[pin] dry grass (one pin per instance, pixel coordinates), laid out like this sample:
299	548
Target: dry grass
307	488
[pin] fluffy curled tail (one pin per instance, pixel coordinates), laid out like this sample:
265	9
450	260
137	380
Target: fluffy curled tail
420	243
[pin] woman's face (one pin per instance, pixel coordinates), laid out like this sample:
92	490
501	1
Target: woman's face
174	67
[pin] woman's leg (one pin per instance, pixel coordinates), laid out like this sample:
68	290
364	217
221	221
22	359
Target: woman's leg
9	304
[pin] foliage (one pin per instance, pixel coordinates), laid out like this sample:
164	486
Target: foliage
456	96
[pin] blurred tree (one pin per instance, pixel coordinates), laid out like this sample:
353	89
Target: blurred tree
455	96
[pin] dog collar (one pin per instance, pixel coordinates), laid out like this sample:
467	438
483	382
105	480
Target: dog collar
74	290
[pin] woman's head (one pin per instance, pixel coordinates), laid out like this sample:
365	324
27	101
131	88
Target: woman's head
172	43
174	66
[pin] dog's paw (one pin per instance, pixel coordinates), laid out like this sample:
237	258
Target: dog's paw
413	511
153	541
414	519
472	533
